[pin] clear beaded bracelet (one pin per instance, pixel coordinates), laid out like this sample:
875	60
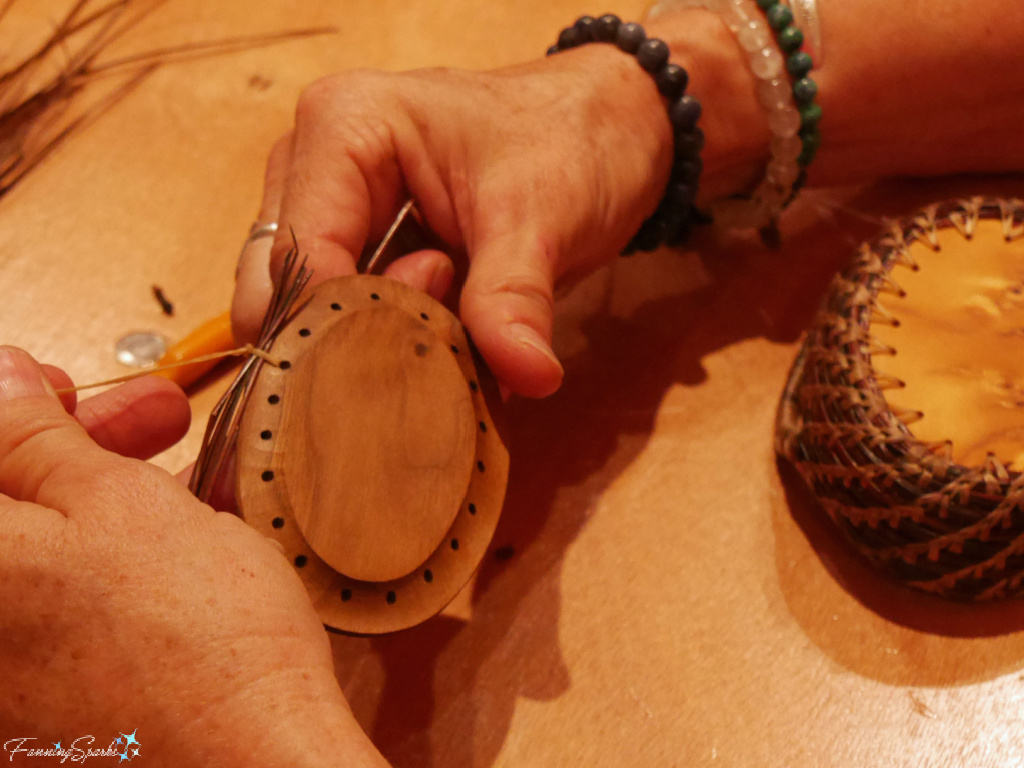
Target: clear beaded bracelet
770	41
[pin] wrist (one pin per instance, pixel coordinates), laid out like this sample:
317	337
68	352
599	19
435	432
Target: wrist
737	135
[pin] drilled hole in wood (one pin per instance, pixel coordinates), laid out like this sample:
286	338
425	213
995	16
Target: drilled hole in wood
266	434
336	306
480	466
277	522
300	561
375	296
346	595
424	315
304	332
274	399
455	544
472	509
455	349
285	365
474	386
268	475
391	598
483	427
428	576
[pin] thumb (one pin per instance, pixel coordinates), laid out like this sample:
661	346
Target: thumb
507	306
41	446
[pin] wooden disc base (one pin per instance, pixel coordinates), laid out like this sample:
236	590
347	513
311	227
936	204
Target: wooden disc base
370	454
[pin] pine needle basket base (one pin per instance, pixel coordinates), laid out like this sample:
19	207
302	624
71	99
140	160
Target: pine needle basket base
947	527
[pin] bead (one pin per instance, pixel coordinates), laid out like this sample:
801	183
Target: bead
675	213
650	235
587	26
811	137
752	37
652	54
810	115
782	174
684	113
784	122
787	148
774	93
688	171
689	143
806	156
607	27
680	195
672	81
799	64
767	64
790	39
568	38
804	90
764	5
629	37
779	17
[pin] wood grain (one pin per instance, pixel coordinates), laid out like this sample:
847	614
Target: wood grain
658	593
371	454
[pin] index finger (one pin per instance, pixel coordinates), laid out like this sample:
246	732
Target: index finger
344	181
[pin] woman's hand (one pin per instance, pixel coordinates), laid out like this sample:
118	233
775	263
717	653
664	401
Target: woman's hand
536	172
129	606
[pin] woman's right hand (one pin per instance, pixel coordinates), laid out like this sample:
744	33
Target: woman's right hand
536	172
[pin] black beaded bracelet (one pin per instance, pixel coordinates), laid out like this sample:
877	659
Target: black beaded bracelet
676	214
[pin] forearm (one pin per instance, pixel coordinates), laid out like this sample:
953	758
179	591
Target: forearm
908	88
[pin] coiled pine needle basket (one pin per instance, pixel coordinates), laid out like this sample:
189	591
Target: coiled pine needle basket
946	526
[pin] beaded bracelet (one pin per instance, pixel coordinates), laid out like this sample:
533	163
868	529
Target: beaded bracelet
798	64
671	222
784	174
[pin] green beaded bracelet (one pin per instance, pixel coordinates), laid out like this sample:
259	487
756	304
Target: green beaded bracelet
798	63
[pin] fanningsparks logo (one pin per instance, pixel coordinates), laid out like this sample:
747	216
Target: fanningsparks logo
124	747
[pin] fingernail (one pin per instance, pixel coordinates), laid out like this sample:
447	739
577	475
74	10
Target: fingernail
21	376
524	334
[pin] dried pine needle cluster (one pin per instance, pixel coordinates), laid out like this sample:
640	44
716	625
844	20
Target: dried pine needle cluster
44	96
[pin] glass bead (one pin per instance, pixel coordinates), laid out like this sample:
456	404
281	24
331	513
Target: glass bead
784	122
568	38
790	39
774	93
799	64
782	174
684	113
810	115
767	64
805	89
652	54
628	38
752	37
787	148
779	17
587	26
607	28
672	81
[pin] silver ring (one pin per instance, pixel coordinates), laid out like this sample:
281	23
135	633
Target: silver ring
258	231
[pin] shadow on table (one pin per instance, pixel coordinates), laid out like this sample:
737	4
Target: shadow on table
444	694
905	637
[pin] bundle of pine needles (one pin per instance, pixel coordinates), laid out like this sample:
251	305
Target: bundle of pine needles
44	96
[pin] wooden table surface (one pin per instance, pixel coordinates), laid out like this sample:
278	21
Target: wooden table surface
660	591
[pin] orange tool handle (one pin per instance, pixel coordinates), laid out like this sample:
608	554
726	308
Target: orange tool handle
212	336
